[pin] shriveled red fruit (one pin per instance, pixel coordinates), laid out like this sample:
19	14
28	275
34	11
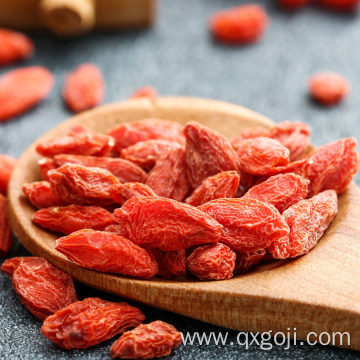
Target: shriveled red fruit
114	228
171	263
80	141
40	195
71	218
339	5
307	220
249	224
292	4
107	252
82	185
147	341
124	170
130	133
246	260
240	25
5	230
328	88
146	153
282	190
89	322
123	192
166	224
23	88
45	165
164	178
84	88
221	185
7	164
41	287
144	92
332	166
14	46
212	262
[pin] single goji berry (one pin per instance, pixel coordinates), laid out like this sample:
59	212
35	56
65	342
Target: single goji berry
240	25
107	252
114	228
171	263
23	88
249	224
339	5
7	164
40	195
45	165
148	341
90	321
166	224
14	46
249	134
246	260
5	230
307	220
221	185
292	4
212	262
144	92
84	88
41	287
123	192
71	218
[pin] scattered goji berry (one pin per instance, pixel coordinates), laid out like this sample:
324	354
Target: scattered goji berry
171	263
71	218
89	322
166	224
84	88
40	286
328	88
147	341
212	262
77	184
144	92
5	230
23	88
249	224
282	190
246	260
14	46
339	5
123	192
307	220
7	164
292	4
107	252
45	165
221	185
40	195
240	25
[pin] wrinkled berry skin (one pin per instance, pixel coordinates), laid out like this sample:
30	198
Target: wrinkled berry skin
5	230
246	260
40	195
171	263
123	192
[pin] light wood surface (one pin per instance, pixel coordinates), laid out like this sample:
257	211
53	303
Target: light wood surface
318	292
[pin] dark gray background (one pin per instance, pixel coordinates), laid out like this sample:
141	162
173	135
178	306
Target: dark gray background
178	56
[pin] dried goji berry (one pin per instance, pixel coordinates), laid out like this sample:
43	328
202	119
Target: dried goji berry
328	88
144	92
123	169
23	88
107	252
307	220
40	195
114	228
84	88
41	287
130	133
339	5
221	185
14	46
82	185
5	230
249	224
282	190
148	341
89	322
181	188
246	260
249	134
67	219
146	153
240	25
45	165
292	4
212	262
79	142
123	192
166	224
7	164
171	263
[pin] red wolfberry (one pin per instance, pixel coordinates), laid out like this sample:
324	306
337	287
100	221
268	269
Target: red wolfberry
89	322
41	287
5	230
339	5
292	4
7	164
171	263
144	92
45	165
84	88
246	260
107	252
123	192
22	89
240	25
156	339
40	195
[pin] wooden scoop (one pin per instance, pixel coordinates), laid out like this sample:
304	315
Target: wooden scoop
318	292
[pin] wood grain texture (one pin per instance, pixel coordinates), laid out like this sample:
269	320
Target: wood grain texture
318	292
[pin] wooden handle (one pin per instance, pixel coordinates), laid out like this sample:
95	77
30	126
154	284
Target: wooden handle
68	17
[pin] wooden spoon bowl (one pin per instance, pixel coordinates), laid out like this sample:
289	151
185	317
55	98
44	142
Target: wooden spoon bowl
318	292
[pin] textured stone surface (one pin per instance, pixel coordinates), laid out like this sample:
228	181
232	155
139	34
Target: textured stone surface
179	57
